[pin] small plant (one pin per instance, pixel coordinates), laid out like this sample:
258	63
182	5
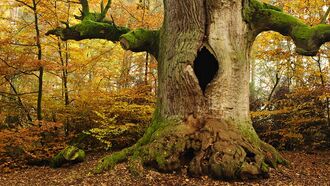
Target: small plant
108	129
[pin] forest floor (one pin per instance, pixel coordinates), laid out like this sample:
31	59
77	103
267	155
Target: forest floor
306	169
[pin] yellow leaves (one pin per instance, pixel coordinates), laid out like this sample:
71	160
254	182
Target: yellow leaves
324	96
129	14
108	129
266	113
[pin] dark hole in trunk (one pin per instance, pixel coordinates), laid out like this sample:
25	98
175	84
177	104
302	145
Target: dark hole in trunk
187	156
205	67
250	157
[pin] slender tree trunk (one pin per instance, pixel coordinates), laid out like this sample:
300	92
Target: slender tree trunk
277	81
126	66
323	83
64	63
41	68
20	102
65	78
146	70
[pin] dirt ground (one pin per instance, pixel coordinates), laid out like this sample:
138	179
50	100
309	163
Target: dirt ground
306	169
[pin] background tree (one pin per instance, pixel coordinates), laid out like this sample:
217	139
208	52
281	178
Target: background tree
34	8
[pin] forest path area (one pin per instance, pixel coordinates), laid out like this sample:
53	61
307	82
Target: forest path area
306	169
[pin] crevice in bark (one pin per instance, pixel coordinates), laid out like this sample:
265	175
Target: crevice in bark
206	67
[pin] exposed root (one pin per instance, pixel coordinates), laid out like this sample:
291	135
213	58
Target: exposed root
135	166
109	162
272	156
208	146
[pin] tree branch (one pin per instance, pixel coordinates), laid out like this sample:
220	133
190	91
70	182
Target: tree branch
324	18
17	94
140	40
264	17
137	40
85	7
25	4
89	29
93	26
104	10
30	72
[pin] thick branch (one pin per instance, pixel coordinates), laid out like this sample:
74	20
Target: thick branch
308	39
141	40
138	40
89	29
94	26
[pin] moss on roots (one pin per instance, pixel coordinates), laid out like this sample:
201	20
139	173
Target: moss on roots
208	146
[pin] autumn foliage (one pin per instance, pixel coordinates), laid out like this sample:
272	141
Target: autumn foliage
96	89
290	93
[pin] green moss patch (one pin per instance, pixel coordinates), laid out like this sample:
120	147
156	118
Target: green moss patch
71	154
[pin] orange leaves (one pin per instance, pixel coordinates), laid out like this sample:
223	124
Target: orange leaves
34	142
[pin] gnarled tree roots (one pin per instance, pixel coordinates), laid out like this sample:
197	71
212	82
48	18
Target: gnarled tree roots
207	146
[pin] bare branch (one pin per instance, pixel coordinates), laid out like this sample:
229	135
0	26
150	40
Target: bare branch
104	10
18	94
20	102
19	70
25	4
21	44
85	7
324	18
129	12
67	1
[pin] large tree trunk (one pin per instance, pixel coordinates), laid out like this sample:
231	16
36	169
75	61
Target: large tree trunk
204	67
202	117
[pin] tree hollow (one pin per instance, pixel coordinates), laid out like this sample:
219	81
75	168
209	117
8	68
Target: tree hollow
206	67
